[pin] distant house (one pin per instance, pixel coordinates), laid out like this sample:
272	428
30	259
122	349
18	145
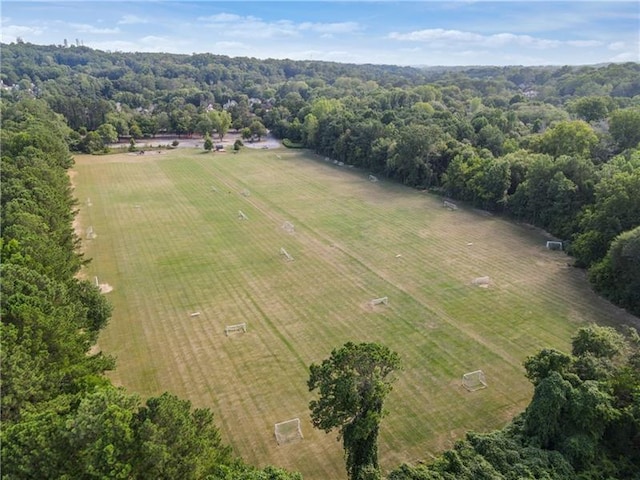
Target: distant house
229	104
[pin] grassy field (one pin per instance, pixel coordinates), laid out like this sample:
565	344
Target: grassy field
170	244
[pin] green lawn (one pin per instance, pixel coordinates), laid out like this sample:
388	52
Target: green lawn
170	244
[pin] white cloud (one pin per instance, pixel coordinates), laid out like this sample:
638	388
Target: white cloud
149	43
442	38
626	57
9	33
223	18
250	27
132	20
230	45
86	28
331	28
617	46
585	43
435	34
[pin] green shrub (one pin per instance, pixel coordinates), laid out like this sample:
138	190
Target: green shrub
289	144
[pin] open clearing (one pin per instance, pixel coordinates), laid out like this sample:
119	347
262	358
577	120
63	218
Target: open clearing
183	266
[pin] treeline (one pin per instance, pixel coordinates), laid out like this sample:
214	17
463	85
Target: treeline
61	417
553	147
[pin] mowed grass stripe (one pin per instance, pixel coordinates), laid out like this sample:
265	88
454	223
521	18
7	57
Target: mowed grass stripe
284	395
192	253
342	216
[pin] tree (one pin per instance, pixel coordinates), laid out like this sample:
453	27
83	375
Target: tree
108	133
310	130
617	275
568	138
208	144
221	121
257	129
352	384
591	109
162	453
92	143
616	209
246	133
624	126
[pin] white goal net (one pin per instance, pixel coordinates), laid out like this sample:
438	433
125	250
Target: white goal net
286	255
288	227
288	431
551	245
237	328
379	301
473	381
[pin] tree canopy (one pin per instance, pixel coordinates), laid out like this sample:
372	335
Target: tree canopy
352	385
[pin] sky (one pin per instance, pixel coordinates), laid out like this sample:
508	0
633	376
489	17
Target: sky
417	33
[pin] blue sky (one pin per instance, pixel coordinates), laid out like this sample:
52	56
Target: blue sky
384	32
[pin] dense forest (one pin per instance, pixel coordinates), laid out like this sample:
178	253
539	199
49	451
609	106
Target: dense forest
554	147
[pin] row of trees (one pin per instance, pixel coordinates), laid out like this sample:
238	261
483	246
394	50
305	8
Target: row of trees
61	417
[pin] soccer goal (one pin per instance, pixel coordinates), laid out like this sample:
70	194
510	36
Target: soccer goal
473	381
288	227
286	255
373	178
245	193
242	216
89	204
481	281
90	233
288	431
554	245
237	328
450	205
380	301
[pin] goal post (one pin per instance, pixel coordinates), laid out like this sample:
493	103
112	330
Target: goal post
473	381
380	301
288	431
242	216
552	245
237	328
288	227
286	255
